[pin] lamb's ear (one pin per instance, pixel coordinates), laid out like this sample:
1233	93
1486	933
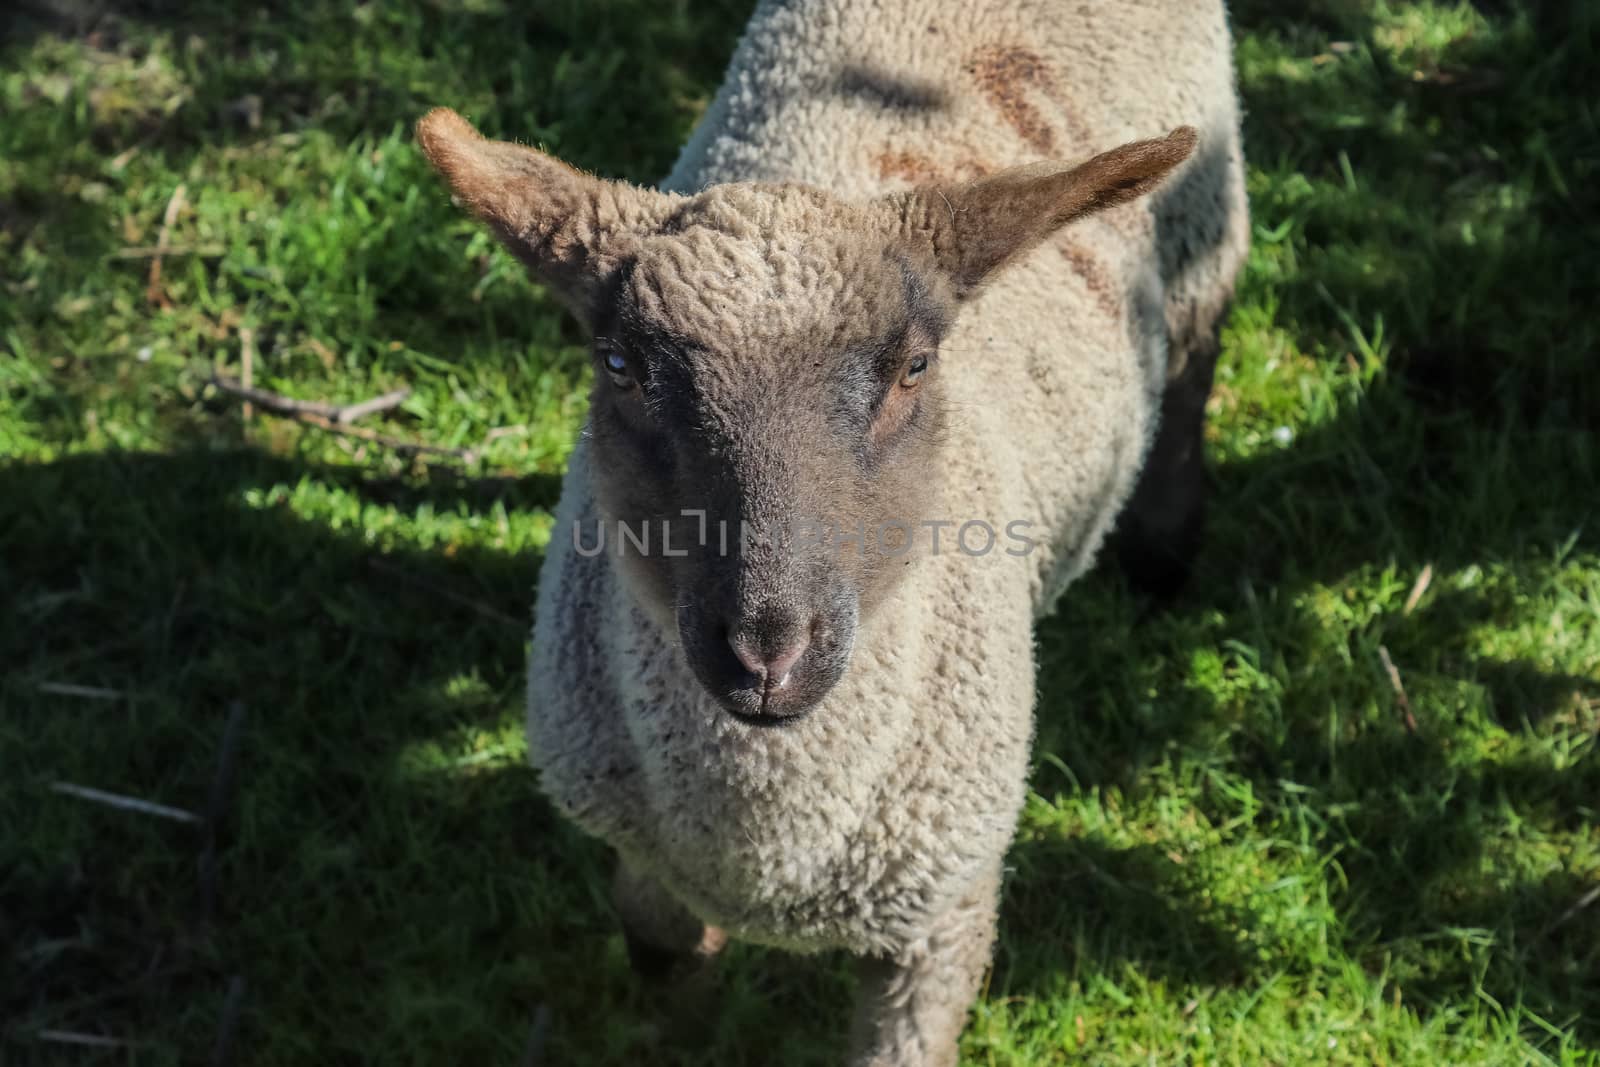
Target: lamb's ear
570	228
974	228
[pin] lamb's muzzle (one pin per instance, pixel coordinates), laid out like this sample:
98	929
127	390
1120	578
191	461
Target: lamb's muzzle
769	666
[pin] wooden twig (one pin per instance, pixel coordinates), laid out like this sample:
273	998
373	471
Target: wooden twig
123	158
538	1038
1468	81
1418	588
247	369
1399	689
73	1037
465	455
88	692
228	1025
172	613
149	251
153	291
217	803
481	608
505	431
334	417
312	411
351	412
275	402
1582	902
126	803
221	794
85	1002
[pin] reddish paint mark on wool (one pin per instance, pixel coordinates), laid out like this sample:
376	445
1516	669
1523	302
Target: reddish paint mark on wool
1095	277
1005	74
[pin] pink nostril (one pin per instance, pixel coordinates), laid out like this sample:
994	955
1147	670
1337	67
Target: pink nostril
748	656
779	666
774	670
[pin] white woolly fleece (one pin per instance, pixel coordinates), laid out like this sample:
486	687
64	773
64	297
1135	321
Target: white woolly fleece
878	824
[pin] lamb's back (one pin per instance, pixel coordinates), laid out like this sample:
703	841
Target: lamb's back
1055	374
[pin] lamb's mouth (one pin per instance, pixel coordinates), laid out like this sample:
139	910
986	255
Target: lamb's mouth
769	722
767	706
772	689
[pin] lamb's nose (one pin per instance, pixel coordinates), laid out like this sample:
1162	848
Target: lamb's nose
770	660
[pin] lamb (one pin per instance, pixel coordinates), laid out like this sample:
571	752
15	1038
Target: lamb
860	304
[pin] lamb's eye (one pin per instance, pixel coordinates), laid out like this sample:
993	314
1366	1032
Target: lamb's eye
617	367
914	371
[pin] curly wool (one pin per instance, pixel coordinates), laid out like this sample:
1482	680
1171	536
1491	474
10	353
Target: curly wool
882	818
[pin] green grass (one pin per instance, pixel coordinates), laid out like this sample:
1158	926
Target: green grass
1236	850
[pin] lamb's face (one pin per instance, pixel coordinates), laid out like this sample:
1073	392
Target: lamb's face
766	406
767	379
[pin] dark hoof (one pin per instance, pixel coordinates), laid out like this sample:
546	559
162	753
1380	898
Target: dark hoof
1154	572
649	962
1159	562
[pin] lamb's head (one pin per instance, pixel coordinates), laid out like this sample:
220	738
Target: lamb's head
767	400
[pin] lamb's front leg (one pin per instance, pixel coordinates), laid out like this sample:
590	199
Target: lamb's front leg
913	1006
661	934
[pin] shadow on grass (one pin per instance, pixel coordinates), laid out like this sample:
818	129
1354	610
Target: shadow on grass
385	831
1113	907
1443	228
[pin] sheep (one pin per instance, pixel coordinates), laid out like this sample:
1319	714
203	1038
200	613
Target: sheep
860	304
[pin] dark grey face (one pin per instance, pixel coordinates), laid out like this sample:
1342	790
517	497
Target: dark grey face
764	437
766	358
